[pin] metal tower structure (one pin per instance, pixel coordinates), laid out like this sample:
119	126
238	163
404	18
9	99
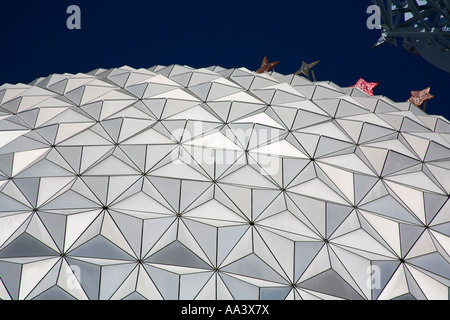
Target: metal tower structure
424	26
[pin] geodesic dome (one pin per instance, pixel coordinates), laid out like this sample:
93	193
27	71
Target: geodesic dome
182	183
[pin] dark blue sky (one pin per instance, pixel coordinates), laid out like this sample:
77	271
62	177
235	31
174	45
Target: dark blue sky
36	42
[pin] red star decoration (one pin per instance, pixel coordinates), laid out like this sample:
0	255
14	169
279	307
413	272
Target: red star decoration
419	97
266	66
365	86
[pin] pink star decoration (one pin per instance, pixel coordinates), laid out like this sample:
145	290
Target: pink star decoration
266	66
419	97
365	86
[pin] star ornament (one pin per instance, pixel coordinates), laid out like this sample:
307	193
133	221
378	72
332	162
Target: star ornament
266	66
419	97
306	67
365	86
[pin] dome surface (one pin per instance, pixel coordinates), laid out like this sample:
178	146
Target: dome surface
180	183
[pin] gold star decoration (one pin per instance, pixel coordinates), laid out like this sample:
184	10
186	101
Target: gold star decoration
266	66
419	97
305	68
